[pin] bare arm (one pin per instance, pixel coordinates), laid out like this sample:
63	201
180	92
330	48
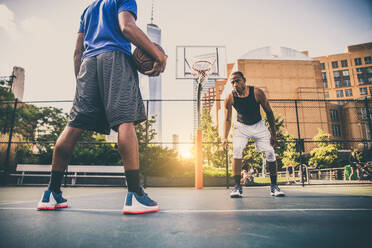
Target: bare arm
261	98
227	121
135	35
78	53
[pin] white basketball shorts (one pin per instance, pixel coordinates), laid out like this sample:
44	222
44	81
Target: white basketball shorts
259	133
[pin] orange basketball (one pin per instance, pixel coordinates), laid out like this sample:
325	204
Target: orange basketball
144	61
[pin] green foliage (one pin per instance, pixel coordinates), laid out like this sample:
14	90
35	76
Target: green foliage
6	109
251	156
156	160
267	179
325	154
95	154
163	161
216	172
212	148
290	156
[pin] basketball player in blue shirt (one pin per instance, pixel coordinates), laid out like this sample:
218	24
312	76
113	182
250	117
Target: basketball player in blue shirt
107	95
247	101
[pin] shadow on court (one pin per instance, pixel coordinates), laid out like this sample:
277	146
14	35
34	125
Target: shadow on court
322	216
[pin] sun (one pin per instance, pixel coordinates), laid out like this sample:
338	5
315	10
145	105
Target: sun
186	155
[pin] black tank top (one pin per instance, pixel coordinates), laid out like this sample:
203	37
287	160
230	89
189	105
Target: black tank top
248	108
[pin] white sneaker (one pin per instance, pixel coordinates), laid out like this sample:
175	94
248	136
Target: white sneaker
237	192
275	191
135	204
51	201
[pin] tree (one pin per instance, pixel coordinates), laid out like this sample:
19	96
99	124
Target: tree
50	123
290	156
6	109
212	146
325	154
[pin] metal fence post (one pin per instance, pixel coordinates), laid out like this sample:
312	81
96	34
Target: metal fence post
7	156
147	138
299	143
227	168
368	112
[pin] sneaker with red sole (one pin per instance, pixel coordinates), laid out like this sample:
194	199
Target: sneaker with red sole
51	201
136	204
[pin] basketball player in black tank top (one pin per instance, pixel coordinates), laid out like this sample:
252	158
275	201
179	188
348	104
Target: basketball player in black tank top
247	101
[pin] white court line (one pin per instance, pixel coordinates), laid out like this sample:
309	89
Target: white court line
207	210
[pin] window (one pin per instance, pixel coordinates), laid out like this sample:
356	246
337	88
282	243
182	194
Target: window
325	84
370	91
363	112
339	93
359	70
369	69
334	64
360	79
367	60
336	130
337	83
336	73
344	63
324	75
334	115
348	92
370	80
326	94
347	82
358	61
322	65
363	91
345	73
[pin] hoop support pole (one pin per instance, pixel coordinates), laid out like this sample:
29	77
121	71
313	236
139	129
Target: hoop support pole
198	160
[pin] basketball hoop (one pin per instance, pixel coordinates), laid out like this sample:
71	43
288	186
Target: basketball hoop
202	69
200	63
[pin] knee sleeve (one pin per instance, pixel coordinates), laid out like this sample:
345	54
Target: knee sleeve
270	155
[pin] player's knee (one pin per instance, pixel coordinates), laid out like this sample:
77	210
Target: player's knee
238	152
270	155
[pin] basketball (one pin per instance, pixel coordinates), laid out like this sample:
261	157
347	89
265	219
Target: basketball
143	60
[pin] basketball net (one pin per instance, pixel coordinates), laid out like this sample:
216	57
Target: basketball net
202	67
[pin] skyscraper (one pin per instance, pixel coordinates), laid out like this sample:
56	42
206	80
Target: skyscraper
155	107
18	84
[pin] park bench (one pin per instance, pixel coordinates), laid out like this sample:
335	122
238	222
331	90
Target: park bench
74	172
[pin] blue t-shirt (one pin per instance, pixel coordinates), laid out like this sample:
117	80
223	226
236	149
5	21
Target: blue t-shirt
100	25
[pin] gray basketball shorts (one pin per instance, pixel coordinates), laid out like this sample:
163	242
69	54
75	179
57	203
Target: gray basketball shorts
107	93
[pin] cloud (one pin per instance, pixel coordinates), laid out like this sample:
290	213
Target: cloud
7	22
36	24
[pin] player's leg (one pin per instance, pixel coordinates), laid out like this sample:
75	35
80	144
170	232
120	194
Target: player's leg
119	86
240	140
262	142
84	114
136	200
52	197
351	173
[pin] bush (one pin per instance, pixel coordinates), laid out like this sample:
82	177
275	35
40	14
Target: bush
215	172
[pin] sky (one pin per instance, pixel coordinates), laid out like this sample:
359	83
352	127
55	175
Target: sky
39	35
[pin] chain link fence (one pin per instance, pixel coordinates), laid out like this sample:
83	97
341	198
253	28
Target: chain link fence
29	131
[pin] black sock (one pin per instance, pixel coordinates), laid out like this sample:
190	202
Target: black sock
237	179
55	181
133	182
273	180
